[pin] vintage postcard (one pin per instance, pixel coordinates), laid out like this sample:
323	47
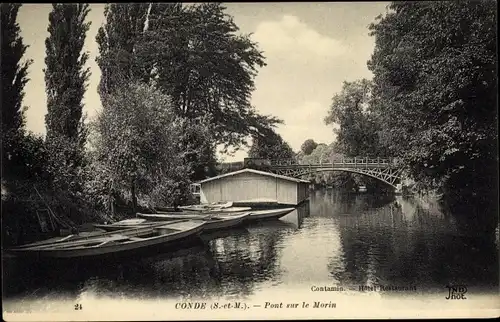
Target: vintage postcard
213	161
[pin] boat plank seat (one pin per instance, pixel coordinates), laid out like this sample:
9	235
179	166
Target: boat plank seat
136	238
86	242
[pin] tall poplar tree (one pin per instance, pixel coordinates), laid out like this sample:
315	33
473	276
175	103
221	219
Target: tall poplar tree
65	79
116	39
14	77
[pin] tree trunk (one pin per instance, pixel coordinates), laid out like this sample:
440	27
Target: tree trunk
111	199
134	197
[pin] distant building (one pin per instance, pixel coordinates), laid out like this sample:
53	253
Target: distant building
247	184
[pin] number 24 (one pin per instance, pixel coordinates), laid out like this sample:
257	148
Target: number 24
78	306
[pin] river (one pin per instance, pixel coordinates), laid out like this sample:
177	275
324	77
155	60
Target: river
344	240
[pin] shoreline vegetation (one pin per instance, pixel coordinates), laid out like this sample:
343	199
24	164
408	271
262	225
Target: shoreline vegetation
175	91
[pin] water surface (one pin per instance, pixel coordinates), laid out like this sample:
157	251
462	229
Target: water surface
336	239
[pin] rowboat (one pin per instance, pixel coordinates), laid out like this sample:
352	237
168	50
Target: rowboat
207	210
269	214
208	206
256	203
127	223
114	243
220	222
167	209
212	221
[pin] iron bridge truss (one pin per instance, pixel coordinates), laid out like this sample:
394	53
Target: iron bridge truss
384	170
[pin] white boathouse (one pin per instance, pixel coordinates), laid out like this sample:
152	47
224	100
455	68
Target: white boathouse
249	184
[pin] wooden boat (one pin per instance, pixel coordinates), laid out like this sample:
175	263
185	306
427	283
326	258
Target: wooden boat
269	214
169	209
212	221
208	210
209	206
221	222
114	243
127	223
257	203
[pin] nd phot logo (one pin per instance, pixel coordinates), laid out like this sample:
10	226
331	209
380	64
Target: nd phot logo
456	292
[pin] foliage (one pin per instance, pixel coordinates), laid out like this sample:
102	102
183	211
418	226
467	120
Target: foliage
194	54
435	93
308	146
357	132
65	78
14	77
117	39
324	153
199	148
272	147
137	147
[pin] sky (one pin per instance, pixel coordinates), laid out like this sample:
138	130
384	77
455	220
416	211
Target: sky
310	50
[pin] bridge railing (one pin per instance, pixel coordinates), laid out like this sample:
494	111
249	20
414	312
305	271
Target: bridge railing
342	161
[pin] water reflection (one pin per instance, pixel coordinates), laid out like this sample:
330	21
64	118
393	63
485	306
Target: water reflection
335	239
410	243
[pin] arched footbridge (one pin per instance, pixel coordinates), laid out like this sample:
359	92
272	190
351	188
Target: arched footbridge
383	169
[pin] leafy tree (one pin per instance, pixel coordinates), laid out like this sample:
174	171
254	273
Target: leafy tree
308	146
272	146
435	85
117	40
321	153
357	132
65	78
434	63
137	147
14	77
199	147
194	55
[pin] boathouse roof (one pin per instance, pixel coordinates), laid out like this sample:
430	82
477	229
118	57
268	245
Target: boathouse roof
264	173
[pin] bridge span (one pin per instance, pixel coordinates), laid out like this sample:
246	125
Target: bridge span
383	169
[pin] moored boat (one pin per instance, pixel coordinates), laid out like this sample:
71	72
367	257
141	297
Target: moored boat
269	214
207	210
208	206
221	222
115	243
257	203
125	224
212	221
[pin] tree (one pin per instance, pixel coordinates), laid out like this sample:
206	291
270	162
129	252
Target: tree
308	146
137	147
65	78
271	146
14	78
357	132
195	56
117	41
435	86
198	143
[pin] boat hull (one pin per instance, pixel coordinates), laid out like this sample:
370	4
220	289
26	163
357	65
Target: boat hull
210	210
74	250
226	222
215	222
111	228
269	214
258	203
